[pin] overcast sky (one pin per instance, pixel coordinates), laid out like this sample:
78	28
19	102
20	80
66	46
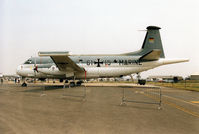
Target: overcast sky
98	26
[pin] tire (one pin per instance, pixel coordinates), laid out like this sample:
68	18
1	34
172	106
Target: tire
24	85
72	84
142	82
79	83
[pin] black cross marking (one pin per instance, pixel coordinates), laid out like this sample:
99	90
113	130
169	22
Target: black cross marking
98	62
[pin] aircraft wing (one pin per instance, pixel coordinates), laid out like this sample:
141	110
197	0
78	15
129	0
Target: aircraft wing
152	55
62	60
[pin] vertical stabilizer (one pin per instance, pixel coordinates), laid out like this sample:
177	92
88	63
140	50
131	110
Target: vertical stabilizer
151	42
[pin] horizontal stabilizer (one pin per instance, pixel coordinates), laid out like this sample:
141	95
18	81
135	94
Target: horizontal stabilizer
152	55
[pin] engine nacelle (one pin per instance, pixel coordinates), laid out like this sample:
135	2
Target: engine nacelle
53	70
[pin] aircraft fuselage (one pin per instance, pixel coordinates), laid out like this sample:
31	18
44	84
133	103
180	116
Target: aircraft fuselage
95	66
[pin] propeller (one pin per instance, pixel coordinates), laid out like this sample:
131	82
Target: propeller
35	68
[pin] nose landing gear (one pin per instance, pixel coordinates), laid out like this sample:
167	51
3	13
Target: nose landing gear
24	84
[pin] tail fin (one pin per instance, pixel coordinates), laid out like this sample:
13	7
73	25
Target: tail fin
152	41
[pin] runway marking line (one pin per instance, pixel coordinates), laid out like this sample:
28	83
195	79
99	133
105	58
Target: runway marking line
191	103
182	109
176	106
194	101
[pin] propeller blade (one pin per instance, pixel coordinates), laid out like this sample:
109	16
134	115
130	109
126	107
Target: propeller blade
36	68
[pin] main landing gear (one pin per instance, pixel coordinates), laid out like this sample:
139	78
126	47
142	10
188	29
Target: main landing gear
73	83
24	84
140	81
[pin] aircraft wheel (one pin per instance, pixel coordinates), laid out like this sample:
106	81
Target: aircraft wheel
24	84
142	82
79	83
72	84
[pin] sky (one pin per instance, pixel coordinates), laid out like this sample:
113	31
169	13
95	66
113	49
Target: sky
98	27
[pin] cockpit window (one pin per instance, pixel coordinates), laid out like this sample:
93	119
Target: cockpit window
39	60
29	61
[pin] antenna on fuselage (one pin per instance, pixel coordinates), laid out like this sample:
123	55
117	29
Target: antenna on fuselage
142	30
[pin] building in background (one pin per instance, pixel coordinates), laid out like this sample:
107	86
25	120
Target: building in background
169	78
194	76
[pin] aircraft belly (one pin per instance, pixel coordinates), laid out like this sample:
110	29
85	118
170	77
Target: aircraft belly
113	71
94	72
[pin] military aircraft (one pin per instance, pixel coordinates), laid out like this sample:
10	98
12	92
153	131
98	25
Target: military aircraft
64	66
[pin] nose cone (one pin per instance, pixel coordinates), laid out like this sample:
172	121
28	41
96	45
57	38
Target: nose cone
18	70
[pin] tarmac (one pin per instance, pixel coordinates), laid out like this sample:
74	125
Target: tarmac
96	109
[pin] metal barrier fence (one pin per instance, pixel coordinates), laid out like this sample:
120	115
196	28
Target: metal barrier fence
152	95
